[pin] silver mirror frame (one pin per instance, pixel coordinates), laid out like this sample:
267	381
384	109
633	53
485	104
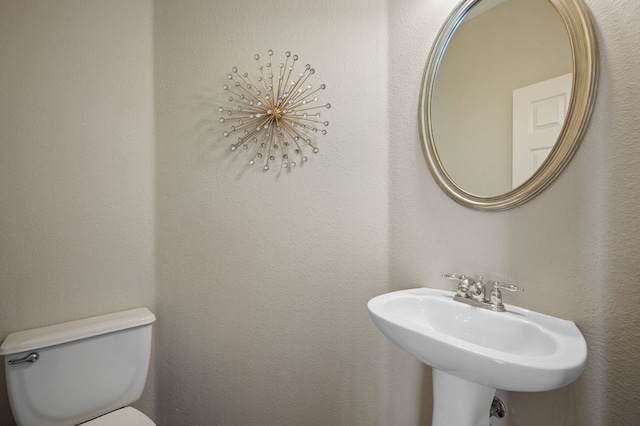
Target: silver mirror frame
578	22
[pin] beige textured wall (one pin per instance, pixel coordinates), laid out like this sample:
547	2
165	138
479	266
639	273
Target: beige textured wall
76	162
263	278
574	248
518	43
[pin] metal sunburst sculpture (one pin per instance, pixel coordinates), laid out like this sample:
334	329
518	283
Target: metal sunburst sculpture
273	118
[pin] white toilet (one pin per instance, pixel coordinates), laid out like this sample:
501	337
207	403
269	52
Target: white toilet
80	371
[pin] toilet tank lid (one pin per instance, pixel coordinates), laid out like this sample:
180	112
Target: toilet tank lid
42	337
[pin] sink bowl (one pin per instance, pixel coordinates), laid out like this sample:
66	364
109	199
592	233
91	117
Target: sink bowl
516	350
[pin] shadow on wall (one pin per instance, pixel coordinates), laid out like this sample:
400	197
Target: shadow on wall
615	291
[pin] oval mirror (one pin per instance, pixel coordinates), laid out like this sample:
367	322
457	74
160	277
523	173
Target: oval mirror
506	95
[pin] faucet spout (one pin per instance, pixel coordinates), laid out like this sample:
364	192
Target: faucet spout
477	290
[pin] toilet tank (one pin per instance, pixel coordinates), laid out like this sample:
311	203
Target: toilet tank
84	368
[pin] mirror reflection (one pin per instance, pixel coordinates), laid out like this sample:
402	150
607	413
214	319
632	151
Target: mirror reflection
500	94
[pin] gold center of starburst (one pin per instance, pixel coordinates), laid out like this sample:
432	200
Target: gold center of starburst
277	114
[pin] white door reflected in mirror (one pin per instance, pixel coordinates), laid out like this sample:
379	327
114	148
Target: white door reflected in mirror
539	111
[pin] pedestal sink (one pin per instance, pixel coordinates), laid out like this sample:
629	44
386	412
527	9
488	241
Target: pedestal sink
475	351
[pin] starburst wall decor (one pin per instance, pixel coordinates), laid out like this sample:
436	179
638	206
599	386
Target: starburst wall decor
274	118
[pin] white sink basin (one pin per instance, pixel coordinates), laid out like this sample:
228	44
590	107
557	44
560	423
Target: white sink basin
517	350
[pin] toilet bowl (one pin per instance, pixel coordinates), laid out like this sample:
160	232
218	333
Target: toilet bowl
86	371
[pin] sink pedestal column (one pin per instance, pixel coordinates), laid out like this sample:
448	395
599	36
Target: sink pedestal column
459	402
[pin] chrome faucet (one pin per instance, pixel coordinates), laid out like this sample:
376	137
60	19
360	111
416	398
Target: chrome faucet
473	292
477	290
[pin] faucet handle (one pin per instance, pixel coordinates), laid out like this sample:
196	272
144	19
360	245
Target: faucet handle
496	294
508	287
454	277
463	284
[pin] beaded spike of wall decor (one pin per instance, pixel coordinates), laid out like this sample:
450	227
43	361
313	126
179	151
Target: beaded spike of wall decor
274	117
